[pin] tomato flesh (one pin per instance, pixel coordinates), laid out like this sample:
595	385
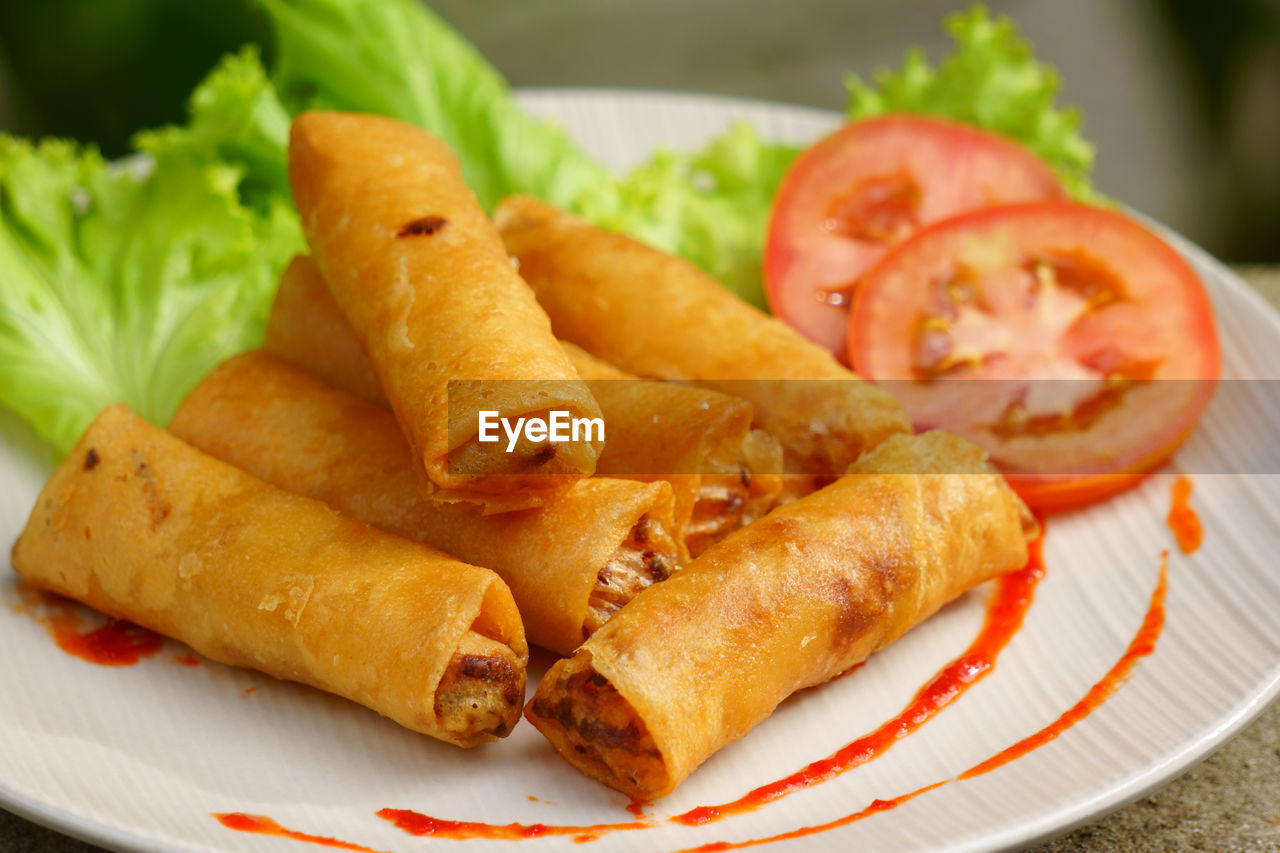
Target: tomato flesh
866	188
1096	340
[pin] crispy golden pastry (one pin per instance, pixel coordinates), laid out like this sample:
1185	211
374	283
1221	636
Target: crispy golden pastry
659	316
143	527
307	328
417	269
723	473
790	601
570	563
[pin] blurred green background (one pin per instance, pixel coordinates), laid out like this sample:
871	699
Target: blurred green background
1181	96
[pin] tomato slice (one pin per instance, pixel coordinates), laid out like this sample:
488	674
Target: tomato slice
868	186
1096	338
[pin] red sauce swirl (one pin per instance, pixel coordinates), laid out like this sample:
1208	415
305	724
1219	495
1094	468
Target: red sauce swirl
1183	519
1142	644
416	823
262	825
113	643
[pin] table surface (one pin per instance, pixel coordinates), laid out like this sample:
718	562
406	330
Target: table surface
1230	802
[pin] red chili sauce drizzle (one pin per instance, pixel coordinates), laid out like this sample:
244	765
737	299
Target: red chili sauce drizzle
115	643
76	632
1143	644
261	825
415	823
1183	520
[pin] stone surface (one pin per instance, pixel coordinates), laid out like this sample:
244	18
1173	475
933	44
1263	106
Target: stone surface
1229	803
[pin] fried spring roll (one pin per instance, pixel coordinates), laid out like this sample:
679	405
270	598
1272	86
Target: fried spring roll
141	526
570	563
723	473
790	601
419	272
659	316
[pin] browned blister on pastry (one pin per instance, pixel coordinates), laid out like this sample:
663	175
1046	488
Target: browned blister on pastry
657	315
570	563
421	275
790	601
143	527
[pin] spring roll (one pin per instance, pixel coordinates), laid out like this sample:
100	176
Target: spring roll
141	526
790	601
421	275
659	316
723	474
570	564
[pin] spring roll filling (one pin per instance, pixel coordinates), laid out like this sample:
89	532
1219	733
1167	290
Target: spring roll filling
646	557
724	502
718	508
481	689
604	730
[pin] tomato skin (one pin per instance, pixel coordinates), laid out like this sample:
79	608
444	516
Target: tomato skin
851	196
1049	290
1049	498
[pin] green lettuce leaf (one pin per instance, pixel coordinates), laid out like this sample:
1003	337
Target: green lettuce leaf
991	80
396	58
236	117
711	206
128	282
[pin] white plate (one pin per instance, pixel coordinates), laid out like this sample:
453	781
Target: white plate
138	757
